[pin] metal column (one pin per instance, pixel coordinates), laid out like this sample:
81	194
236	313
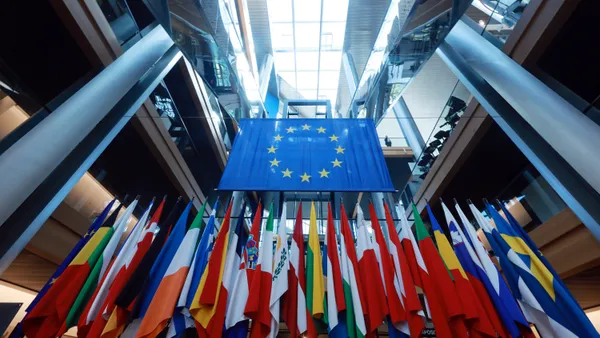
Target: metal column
409	127
569	185
571	133
31	214
25	165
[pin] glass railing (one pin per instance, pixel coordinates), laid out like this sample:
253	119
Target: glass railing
434	144
398	55
496	18
121	20
531	199
209	35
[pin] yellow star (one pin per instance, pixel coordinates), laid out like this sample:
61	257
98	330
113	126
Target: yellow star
53	281
278	137
272	150
291	130
337	163
287	173
305	127
324	173
339	149
305	177
333	138
321	130
89	234
275	163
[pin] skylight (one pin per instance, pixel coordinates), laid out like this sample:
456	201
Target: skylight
307	38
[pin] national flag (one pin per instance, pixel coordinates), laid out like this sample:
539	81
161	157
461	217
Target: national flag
260	287
100	268
315	283
18	331
563	313
165	298
404	282
182	319
397	314
50	313
336	303
474	270
252	246
235	320
210	299
369	271
159	268
506	306
445	307
518	229
132	284
118	266
281	265
295	313
353	289
476	318
234	279
123	274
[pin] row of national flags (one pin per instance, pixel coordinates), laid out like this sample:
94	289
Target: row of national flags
177	275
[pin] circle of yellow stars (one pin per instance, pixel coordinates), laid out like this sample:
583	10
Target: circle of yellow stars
305	177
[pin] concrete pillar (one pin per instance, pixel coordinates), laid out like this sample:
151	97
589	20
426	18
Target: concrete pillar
25	165
265	75
409	127
350	72
567	130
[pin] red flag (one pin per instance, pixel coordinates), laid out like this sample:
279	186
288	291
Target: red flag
445	291
377	308
386	267
210	300
123	275
412	305
257	307
295	313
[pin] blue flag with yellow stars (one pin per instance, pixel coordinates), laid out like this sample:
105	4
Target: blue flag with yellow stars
306	155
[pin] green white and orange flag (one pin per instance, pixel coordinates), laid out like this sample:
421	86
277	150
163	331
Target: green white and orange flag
355	306
49	315
165	299
315	280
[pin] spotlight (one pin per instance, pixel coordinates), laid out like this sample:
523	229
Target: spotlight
442	134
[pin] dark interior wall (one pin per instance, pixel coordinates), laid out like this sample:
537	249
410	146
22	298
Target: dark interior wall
572	56
489	170
203	160
38	54
128	167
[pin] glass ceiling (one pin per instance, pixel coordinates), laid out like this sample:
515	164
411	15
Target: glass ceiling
307	38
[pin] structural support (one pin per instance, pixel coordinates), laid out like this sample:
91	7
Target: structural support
577	193
572	134
30	215
350	71
409	127
25	165
265	76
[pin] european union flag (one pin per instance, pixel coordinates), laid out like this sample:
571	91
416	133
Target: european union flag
306	155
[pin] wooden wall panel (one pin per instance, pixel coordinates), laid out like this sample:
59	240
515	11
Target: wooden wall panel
567	243
29	271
